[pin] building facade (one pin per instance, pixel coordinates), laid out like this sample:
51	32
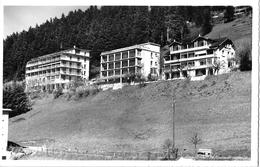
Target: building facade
199	58
56	70
142	58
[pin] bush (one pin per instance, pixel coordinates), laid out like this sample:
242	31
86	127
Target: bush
152	77
15	98
34	94
57	93
84	91
139	78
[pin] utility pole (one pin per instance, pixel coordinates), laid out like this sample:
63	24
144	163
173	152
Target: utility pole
174	150
173	123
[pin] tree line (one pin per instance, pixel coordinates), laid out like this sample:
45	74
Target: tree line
101	29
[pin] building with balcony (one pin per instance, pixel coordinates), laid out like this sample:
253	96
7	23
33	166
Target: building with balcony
141	58
56	70
199	58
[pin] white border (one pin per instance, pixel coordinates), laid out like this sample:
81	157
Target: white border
254	97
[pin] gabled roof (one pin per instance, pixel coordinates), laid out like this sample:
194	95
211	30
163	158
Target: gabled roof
220	41
174	41
199	38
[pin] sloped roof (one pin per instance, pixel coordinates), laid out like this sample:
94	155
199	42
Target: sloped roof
175	42
218	42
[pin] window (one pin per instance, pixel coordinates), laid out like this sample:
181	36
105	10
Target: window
229	64
151	55
156	63
70	57
132	53
151	63
203	62
117	56
85	59
84	72
84	66
191	63
124	55
77	51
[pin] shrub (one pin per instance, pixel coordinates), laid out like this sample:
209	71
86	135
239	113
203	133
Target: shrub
34	94
139	78
152	77
129	77
85	91
57	93
15	98
169	152
81	92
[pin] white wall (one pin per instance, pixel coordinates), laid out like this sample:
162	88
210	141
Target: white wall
223	55
146	58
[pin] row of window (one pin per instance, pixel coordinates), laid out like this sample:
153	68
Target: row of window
189	63
120	71
117	64
70	64
49	78
155	63
125	55
117	56
50	60
178	56
198	43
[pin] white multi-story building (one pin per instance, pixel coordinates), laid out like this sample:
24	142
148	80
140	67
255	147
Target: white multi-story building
199	58
56	70
141	58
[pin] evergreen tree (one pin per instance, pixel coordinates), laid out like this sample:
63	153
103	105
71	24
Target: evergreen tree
106	28
15	99
229	13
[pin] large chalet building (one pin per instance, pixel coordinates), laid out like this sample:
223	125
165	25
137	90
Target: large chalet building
199	58
56	70
141	58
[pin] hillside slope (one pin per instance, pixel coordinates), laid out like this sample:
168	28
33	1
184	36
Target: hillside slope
237	30
139	119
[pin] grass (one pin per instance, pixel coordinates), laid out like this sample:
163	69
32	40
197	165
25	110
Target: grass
238	29
139	119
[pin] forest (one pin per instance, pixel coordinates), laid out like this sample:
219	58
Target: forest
103	28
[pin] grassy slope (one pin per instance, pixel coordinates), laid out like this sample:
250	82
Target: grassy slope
237	30
139	119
